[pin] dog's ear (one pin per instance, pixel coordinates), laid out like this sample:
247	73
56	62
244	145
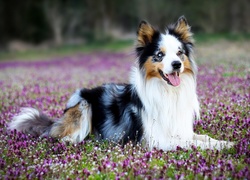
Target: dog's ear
145	33
183	30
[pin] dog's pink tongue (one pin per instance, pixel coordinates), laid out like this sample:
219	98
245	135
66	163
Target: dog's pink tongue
174	79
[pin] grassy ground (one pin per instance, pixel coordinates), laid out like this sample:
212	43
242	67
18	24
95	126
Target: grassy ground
223	90
113	46
66	50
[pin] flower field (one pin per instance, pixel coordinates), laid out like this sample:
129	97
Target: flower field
224	95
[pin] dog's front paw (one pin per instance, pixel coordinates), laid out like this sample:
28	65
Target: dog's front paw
67	139
229	144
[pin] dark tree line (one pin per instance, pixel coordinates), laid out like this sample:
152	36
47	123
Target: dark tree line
60	21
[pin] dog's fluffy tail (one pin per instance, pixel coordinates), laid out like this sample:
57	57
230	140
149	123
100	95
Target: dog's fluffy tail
74	125
31	121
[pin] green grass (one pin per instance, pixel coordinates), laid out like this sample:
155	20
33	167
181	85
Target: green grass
111	45
209	38
66	50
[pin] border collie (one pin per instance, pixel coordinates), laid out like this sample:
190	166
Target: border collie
157	108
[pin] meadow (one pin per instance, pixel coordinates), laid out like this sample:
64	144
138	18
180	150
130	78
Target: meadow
46	83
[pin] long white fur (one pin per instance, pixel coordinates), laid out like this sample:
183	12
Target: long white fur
170	111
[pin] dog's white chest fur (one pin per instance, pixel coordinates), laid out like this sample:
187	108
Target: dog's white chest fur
169	111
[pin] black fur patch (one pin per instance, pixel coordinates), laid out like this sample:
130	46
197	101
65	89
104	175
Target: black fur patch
117	110
93	97
144	52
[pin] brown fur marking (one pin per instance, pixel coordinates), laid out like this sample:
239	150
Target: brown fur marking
183	29
70	122
145	33
152	69
187	65
162	49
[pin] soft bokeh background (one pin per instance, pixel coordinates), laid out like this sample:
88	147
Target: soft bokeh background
27	25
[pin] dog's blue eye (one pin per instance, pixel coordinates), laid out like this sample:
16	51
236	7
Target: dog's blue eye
160	54
158	57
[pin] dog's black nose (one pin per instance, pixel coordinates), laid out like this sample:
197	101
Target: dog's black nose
176	64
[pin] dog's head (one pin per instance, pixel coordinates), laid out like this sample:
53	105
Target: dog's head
165	55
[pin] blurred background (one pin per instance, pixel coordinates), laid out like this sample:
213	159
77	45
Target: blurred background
42	24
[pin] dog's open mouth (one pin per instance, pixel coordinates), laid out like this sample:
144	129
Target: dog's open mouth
172	79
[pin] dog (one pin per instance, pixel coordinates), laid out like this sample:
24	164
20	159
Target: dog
157	108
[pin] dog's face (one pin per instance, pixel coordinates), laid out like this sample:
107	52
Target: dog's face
165	56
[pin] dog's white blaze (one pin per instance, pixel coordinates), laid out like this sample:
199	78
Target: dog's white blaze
172	45
169	111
